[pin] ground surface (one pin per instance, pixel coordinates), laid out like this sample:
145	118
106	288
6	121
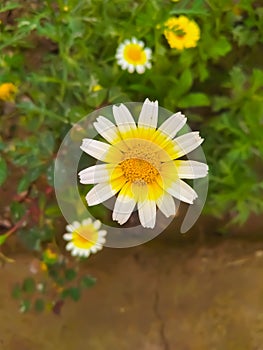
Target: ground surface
170	294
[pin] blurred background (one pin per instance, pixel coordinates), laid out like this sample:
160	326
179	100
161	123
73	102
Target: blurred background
61	60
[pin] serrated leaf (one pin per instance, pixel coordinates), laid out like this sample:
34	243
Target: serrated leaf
3	170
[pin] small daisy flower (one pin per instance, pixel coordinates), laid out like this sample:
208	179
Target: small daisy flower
141	164
181	33
7	91
133	56
84	238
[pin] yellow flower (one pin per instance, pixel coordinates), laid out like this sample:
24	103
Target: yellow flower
7	91
181	33
84	237
141	163
49	257
97	87
43	266
133	56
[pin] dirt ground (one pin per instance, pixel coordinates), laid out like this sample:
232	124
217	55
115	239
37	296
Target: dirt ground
192	292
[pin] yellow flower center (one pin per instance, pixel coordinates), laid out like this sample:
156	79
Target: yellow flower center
134	54
85	237
138	170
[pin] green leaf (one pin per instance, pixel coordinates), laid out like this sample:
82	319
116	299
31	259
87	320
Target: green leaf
16	291
87	281
185	82
18	210
50	174
3	171
220	47
73	292
70	274
9	7
3	238
25	306
195	99
29	285
47	142
53	211
28	178
30	238
39	305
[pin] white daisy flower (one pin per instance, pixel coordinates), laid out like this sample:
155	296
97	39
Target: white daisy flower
141	164
133	56
84	238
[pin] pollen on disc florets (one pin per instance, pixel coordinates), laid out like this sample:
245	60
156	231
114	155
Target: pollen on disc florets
138	170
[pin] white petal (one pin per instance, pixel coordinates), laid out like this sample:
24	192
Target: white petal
190	169
131	68
95	148
187	143
75	252
106	129
166	204
147	213
123	118
173	124
123	207
67	236
100	193
70	246
101	240
140	69
102	233
124	65
97	224
96	174
95	249
70	228
86	222
179	189
99	246
148	65
75	225
149	114
148	53
87	254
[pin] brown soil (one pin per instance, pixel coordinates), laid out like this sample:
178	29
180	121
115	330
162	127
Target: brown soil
191	292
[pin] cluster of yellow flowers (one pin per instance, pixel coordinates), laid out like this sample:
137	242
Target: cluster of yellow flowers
181	33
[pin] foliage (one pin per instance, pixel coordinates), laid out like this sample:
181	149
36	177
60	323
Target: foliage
61	57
